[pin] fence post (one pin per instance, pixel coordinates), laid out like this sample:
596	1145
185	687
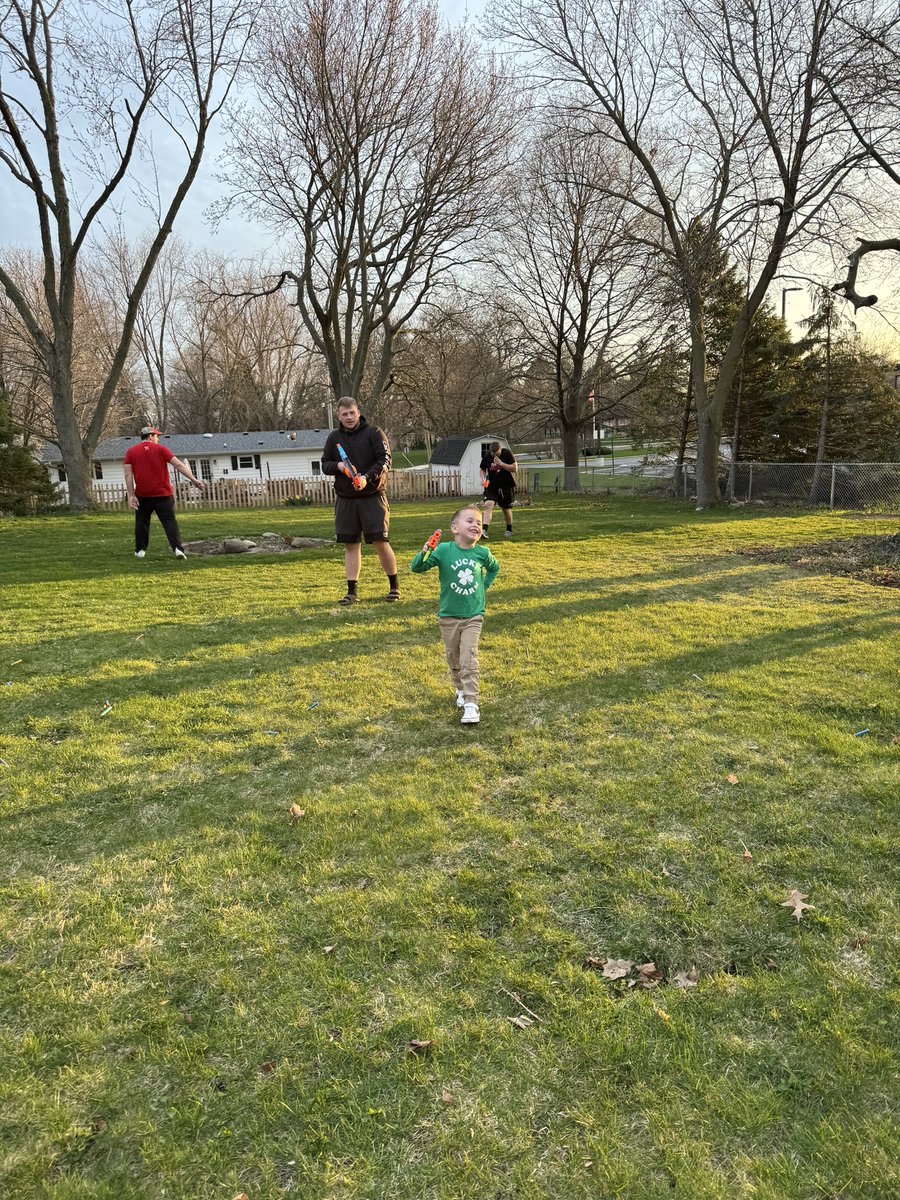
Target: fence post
833	472
633	480
750	484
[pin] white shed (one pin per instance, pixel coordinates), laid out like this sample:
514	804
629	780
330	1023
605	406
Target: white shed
464	454
264	454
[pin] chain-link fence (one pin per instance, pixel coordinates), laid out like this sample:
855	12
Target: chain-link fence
866	486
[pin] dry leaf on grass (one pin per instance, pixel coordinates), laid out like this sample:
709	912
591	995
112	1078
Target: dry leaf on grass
417	1046
593	964
328	949
662	1014
648	976
297	812
732	778
686	979
520	1022
268	1067
795	901
447	1098
616	968
747	856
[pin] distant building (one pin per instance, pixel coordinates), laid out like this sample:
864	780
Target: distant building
464	454
265	454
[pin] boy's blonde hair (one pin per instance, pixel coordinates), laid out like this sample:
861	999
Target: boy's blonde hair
460	511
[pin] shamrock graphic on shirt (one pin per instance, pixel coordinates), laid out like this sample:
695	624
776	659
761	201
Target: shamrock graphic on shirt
465	577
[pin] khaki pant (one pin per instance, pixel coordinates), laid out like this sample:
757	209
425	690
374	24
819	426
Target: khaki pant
461	636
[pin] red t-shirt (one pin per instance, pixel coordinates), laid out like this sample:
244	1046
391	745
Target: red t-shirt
150	463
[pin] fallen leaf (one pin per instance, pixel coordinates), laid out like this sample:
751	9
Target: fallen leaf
296	812
417	1046
858	942
896	739
447	1098
328	949
686	979
648	976
732	778
795	901
617	968
747	856
662	1014
520	1022
269	1067
186	1016
99	1127
335	1035
242	1196
593	964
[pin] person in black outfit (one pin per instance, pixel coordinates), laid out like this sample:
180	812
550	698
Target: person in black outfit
498	474
360	512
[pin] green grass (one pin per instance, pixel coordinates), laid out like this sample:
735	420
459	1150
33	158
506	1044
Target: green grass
174	1024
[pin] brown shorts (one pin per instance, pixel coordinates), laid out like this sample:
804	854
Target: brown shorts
358	517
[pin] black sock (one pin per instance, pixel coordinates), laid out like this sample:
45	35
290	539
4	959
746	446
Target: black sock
392	580
351	587
509	526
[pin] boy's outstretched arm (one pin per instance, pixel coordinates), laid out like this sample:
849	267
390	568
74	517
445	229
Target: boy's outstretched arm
491	570
420	564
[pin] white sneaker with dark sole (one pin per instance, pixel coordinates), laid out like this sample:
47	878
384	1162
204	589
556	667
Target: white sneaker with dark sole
139	553
180	554
470	715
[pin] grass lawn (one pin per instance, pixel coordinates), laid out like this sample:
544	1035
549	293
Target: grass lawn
202	998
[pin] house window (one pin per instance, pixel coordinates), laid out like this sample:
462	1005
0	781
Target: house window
245	462
317	468
485	448
205	470
98	470
192	463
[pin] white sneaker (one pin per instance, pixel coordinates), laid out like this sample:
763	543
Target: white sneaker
459	698
180	554
470	715
139	553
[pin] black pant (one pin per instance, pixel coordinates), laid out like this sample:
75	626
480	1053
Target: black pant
164	507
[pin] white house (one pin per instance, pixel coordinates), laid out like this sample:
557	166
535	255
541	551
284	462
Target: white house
464	454
266	454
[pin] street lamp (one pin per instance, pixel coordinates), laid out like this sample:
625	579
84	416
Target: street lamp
784	292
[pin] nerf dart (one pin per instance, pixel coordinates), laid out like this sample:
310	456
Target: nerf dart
431	543
349	470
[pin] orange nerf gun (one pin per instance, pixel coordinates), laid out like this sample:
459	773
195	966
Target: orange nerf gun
431	543
345	465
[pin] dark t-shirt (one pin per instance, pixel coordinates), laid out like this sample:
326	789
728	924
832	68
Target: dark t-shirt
498	479
150	463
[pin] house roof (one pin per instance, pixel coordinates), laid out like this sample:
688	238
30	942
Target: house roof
449	451
184	445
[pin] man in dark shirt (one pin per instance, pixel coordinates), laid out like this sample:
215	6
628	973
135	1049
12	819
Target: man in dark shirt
498	474
150	489
361	508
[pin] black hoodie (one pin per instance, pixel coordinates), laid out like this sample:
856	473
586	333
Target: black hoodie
368	450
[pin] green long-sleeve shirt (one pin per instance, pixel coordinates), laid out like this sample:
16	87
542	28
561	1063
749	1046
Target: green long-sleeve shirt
465	576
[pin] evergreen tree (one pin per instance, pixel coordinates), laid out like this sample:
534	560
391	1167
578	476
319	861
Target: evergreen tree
25	486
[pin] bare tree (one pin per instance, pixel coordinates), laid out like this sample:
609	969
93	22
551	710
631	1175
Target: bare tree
81	93
454	367
378	141
581	277
735	139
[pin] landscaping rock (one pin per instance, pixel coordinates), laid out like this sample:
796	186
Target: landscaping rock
237	545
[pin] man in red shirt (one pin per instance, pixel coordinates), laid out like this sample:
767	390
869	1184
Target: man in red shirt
150	489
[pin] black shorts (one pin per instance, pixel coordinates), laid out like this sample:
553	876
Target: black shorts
361	516
501	496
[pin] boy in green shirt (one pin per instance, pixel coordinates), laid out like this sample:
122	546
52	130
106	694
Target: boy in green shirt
466	572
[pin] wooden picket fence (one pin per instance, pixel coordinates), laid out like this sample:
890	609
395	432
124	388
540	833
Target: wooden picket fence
278	493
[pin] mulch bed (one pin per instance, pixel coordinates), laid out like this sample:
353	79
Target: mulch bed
874	560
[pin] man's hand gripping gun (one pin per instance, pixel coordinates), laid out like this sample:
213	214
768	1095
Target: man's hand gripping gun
345	465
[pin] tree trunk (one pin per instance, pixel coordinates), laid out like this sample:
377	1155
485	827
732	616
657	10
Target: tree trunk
571	478
75	455
709	430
